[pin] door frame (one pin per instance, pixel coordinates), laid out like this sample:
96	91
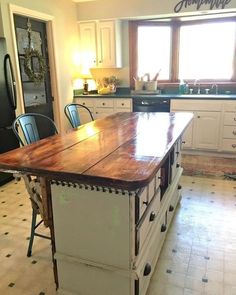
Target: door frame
49	19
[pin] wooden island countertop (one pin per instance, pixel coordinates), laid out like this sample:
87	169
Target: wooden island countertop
123	150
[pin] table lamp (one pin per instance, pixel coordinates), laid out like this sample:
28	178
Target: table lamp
85	75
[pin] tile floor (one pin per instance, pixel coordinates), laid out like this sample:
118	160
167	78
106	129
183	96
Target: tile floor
198	257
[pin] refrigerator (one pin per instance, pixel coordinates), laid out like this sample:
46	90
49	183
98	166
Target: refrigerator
8	104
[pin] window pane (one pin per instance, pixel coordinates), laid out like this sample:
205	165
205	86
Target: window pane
154	51
207	51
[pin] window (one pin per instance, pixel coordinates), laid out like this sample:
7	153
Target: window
190	50
206	51
154	58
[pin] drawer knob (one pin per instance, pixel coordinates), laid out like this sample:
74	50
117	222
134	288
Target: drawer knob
234	132
84	103
183	142
177	165
234	146
234	119
163	228
179	186
171	208
198	117
103	103
152	216
147	269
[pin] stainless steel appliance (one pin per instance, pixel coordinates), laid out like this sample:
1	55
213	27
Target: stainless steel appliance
8	104
151	104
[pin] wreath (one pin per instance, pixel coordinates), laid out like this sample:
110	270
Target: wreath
38	76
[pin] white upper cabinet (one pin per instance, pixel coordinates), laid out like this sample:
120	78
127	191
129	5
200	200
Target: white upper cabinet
88	43
100	43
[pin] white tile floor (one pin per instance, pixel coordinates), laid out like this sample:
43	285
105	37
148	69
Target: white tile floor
198	257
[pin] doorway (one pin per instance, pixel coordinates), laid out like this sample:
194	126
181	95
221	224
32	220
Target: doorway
32	49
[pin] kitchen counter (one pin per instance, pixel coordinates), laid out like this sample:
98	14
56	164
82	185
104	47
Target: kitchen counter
111	188
160	96
69	157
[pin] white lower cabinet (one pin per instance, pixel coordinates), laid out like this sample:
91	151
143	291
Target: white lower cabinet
207	130
108	240
103	107
204	133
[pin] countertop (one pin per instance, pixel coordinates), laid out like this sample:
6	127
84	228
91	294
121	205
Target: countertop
119	151
162	96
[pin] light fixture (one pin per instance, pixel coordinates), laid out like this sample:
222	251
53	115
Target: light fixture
85	75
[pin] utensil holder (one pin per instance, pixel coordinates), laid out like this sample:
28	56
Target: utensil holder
151	85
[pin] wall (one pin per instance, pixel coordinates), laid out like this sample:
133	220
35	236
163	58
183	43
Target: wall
102	9
65	35
138	9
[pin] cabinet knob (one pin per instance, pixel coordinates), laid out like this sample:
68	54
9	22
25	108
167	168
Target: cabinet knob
145	203
198	117
83	103
103	104
234	119
177	153
100	61
122	104
163	228
152	216
234	132
234	146
183	142
179	186
147	269
171	208
177	165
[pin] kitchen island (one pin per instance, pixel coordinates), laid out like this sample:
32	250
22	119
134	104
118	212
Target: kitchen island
110	189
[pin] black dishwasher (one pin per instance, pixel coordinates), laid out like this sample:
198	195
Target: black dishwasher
151	104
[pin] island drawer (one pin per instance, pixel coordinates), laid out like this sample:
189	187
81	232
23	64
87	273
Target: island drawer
150	257
146	195
147	222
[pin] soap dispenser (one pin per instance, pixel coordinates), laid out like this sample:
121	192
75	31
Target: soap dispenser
181	87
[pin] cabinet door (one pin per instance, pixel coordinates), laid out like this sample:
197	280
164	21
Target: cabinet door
88	46
108	40
188	137
206	133
188	134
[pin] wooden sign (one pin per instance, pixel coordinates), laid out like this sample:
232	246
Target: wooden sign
209	4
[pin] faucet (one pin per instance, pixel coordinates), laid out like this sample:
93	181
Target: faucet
216	87
196	82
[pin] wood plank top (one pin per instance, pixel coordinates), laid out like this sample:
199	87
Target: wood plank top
123	150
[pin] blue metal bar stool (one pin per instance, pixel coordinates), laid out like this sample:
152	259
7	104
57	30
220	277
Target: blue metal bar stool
72	113
26	130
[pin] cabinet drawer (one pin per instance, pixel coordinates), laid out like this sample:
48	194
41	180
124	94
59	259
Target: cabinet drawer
123	103
86	102
230	118
151	255
143	201
229	145
229	132
230	106
148	221
75	277
105	103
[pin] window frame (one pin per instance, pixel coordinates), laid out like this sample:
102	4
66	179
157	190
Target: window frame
175	25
